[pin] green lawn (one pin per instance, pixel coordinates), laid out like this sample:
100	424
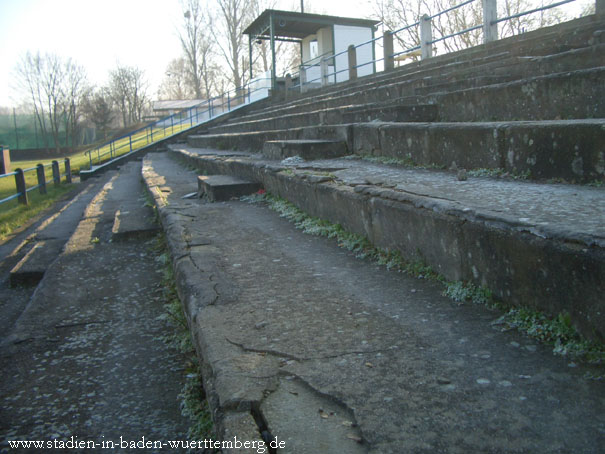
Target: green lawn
13	214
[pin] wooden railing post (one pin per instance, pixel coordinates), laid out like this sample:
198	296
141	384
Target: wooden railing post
20	184
352	52
41	178
389	61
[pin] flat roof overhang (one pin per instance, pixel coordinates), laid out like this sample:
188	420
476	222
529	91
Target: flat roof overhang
290	25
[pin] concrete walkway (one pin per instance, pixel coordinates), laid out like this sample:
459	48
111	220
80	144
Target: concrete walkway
84	358
331	354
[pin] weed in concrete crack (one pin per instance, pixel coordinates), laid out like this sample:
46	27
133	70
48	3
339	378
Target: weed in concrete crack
193	401
461	292
558	332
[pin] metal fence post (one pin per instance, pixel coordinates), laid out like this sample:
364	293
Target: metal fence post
130	141
68	170
41	178
352	52
426	36
389	62
490	15
56	173
151	127
20	184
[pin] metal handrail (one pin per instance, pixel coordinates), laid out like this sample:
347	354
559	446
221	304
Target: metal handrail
445	11
536	10
461	32
415	24
165	127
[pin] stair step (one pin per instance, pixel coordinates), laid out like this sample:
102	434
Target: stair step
31	268
306	149
224	187
137	222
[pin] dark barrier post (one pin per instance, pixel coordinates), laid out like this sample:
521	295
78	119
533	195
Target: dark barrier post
5	160
20	183
352	62
41	178
68	170
56	174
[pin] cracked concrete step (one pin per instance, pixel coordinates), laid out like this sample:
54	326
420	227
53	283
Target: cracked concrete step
526	242
541	148
31	268
219	188
46	243
334	115
137	221
306	149
329	353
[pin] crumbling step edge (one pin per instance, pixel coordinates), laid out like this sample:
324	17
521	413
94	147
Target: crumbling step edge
232	409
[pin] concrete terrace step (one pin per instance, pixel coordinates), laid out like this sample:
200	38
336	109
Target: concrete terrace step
526	242
559	42
545	149
322	349
31	268
334	115
46	243
218	188
306	149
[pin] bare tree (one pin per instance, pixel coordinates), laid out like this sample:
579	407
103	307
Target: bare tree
233	16
54	86
128	89
97	108
198	48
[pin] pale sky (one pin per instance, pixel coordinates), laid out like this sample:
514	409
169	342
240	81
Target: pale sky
99	33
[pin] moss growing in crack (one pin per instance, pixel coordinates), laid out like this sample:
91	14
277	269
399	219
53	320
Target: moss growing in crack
193	401
557	331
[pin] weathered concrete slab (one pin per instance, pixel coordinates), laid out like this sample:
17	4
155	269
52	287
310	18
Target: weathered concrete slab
332	354
31	268
138	221
306	149
224	187
531	244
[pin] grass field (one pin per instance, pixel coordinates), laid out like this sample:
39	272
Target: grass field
13	214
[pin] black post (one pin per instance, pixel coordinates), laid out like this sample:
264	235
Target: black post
41	178
68	170
56	174
20	183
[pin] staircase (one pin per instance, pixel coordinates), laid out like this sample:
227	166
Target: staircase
529	107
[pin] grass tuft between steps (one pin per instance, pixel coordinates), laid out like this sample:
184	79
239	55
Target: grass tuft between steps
192	397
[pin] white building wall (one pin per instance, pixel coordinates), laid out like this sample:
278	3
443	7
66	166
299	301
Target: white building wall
344	36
